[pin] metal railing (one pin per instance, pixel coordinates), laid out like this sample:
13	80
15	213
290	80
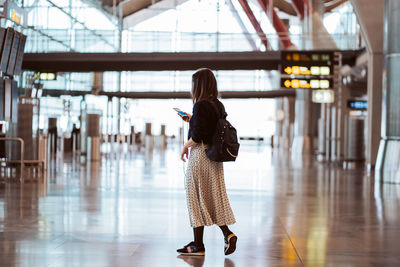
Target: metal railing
165	41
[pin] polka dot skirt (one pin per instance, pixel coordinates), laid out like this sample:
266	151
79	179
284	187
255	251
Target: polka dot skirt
206	196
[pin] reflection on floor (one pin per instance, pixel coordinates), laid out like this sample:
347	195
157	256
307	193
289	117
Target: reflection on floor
129	210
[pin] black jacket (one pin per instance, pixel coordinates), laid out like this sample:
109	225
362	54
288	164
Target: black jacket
204	120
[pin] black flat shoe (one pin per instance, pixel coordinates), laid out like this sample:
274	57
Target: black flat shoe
230	244
192	249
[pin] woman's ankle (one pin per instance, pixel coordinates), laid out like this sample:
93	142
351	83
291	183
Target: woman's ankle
199	245
228	233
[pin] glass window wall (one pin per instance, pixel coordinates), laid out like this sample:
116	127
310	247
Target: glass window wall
207	26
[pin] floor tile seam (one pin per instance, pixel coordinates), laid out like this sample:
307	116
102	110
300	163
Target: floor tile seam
291	242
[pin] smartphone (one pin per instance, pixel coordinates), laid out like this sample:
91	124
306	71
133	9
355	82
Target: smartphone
180	112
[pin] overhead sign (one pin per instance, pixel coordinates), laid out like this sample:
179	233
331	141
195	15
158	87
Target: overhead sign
307	69
311	57
303	70
48	76
15	16
306	83
15	13
323	96
357	104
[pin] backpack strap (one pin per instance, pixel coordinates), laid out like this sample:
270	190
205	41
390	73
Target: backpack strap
220	116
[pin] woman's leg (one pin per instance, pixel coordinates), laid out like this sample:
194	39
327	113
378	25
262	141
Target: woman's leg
225	230
198	236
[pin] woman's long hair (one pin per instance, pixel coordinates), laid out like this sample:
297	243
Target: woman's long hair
204	85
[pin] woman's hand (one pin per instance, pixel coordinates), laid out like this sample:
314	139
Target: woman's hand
185	150
185	153
186	118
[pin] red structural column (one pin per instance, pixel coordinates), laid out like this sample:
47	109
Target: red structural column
255	23
278	24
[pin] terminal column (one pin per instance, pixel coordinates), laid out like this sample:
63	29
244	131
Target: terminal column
388	161
370	19
93	136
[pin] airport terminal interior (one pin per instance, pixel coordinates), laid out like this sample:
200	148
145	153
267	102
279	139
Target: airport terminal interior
90	144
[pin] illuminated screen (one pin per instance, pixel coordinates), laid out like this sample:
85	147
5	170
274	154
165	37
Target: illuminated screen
307	56
50	76
306	83
357	104
323	96
305	70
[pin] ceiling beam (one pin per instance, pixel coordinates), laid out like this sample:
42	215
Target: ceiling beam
176	95
256	25
100	62
285	6
133	16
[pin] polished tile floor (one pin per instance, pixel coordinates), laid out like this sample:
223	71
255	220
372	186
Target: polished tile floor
129	210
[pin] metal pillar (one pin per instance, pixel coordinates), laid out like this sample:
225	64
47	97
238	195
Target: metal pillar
83	130
109	115
93	136
370	18
279	121
303	140
148	137
288	123
305	128
375	66
388	160
52	133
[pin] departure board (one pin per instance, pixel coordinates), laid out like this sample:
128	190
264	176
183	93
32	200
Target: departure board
6	49
20	55
307	69
13	54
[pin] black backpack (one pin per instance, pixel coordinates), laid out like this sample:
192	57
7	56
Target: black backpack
225	145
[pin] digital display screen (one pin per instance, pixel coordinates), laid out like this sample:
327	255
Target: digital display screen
13	54
5	53
2	35
47	76
307	56
306	83
357	104
15	16
20	55
323	96
307	69
14	12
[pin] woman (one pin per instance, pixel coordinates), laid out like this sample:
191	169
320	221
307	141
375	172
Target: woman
206	196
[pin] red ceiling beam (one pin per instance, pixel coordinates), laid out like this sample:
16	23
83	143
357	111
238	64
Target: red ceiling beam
302	7
255	23
278	24
241	24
